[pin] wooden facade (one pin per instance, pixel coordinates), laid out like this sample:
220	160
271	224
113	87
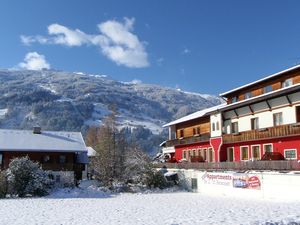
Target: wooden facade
197	127
258	88
54	161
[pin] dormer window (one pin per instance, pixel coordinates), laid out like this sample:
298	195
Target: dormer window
234	99
287	83
268	89
248	95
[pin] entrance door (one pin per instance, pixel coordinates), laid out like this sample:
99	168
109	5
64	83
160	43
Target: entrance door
230	154
298	114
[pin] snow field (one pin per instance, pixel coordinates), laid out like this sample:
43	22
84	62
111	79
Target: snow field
96	207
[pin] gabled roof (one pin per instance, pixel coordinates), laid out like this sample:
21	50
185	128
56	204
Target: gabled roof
47	141
196	115
260	80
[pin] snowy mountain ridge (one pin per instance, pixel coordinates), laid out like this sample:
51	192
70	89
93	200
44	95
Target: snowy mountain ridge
73	101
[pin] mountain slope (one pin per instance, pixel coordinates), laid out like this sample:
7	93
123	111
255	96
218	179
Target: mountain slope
58	100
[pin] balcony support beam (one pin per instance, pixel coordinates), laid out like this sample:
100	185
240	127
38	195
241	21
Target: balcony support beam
251	109
289	100
236	114
269	106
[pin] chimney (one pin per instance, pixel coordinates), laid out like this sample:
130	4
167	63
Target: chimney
37	130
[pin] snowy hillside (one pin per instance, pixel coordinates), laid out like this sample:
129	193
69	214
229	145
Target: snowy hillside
59	100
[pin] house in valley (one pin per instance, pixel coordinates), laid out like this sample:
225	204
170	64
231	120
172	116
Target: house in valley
259	117
62	153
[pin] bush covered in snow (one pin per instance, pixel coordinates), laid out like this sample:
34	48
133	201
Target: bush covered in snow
27	178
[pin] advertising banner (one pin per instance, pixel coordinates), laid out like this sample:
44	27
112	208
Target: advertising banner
235	180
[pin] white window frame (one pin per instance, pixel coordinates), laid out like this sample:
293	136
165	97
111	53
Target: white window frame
213	155
265	145
248	95
259	150
257	124
292	149
227	152
280	119
204	150
244	146
283	84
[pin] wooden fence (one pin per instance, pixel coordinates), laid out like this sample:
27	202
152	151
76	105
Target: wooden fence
285	165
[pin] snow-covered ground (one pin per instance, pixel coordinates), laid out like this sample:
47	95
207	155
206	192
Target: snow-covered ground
92	206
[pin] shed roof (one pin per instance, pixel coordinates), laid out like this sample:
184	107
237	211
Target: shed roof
47	141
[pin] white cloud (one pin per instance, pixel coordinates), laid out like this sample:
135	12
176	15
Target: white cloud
116	41
34	61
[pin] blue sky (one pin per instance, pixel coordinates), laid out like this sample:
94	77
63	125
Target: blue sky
200	46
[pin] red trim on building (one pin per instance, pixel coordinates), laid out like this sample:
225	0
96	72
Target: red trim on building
220	150
216	144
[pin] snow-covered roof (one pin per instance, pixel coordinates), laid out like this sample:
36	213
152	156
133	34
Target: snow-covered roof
260	80
195	115
91	152
50	141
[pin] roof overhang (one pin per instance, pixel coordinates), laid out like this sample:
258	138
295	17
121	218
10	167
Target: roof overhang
196	115
258	81
278	93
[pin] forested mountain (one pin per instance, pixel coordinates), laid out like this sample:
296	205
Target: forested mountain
58	100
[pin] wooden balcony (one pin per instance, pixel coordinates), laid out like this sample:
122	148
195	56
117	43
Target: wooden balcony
188	140
265	133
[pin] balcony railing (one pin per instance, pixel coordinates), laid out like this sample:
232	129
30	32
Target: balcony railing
188	140
271	132
285	165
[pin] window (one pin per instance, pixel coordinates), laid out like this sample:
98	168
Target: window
218	126
290	154
245	153
267	89
1	158
256	152
277	119
234	128
181	133
199	152
254	123
248	95
46	158
268	148
234	99
194	152
210	155
62	159
196	131
213	127
287	83
184	154
204	154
